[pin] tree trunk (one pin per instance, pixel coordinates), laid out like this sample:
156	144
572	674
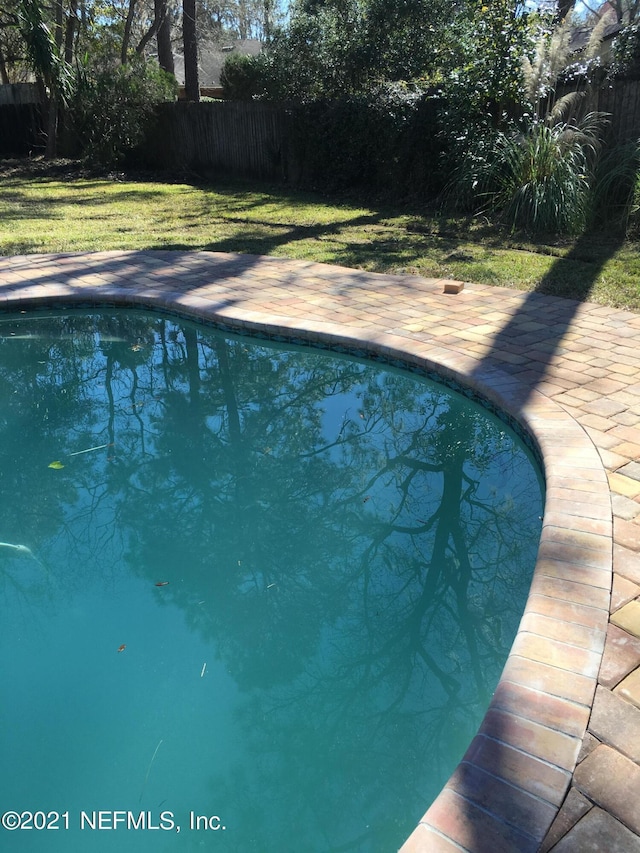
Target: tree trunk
51	148
4	77
70	31
165	54
59	21
564	8
126	38
266	25
191	81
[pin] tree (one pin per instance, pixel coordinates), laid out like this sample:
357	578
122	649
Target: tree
233	19
404	37
12	48
44	52
625	12
163	36
565	8
190	43
335	47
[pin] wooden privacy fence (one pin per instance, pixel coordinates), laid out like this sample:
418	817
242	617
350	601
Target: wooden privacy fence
234	137
269	141
620	99
19	93
20	120
327	145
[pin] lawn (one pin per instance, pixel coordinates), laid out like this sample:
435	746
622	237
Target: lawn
60	210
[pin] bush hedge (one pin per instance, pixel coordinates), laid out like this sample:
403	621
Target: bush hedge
384	141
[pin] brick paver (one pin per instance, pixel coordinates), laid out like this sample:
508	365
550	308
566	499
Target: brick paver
597	832
629	688
628	617
616	723
612	781
555	766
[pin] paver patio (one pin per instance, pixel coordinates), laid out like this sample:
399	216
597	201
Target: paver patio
556	763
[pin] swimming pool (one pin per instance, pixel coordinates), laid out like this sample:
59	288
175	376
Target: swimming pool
263	583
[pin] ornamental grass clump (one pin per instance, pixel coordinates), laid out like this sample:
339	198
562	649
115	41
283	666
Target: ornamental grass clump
543	177
615	196
538	178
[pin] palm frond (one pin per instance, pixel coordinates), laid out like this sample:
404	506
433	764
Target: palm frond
42	51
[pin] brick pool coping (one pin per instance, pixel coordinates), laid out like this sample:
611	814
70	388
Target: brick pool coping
549	364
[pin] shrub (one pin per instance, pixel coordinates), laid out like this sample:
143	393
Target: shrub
539	179
615	195
626	52
113	108
545	178
382	140
538	171
242	76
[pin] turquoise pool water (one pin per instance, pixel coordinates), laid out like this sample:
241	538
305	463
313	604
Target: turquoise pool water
254	597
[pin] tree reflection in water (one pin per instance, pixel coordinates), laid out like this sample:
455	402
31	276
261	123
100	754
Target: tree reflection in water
354	543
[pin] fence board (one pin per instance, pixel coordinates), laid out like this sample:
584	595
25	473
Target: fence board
240	138
621	100
19	93
21	133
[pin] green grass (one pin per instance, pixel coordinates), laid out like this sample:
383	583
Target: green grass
45	211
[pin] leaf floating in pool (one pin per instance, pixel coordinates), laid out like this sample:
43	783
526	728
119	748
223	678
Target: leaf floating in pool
122	647
56	465
162	583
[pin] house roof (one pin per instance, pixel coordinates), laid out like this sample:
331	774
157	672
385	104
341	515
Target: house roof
211	58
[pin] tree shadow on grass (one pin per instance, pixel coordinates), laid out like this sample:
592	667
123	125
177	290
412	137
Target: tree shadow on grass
257	237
